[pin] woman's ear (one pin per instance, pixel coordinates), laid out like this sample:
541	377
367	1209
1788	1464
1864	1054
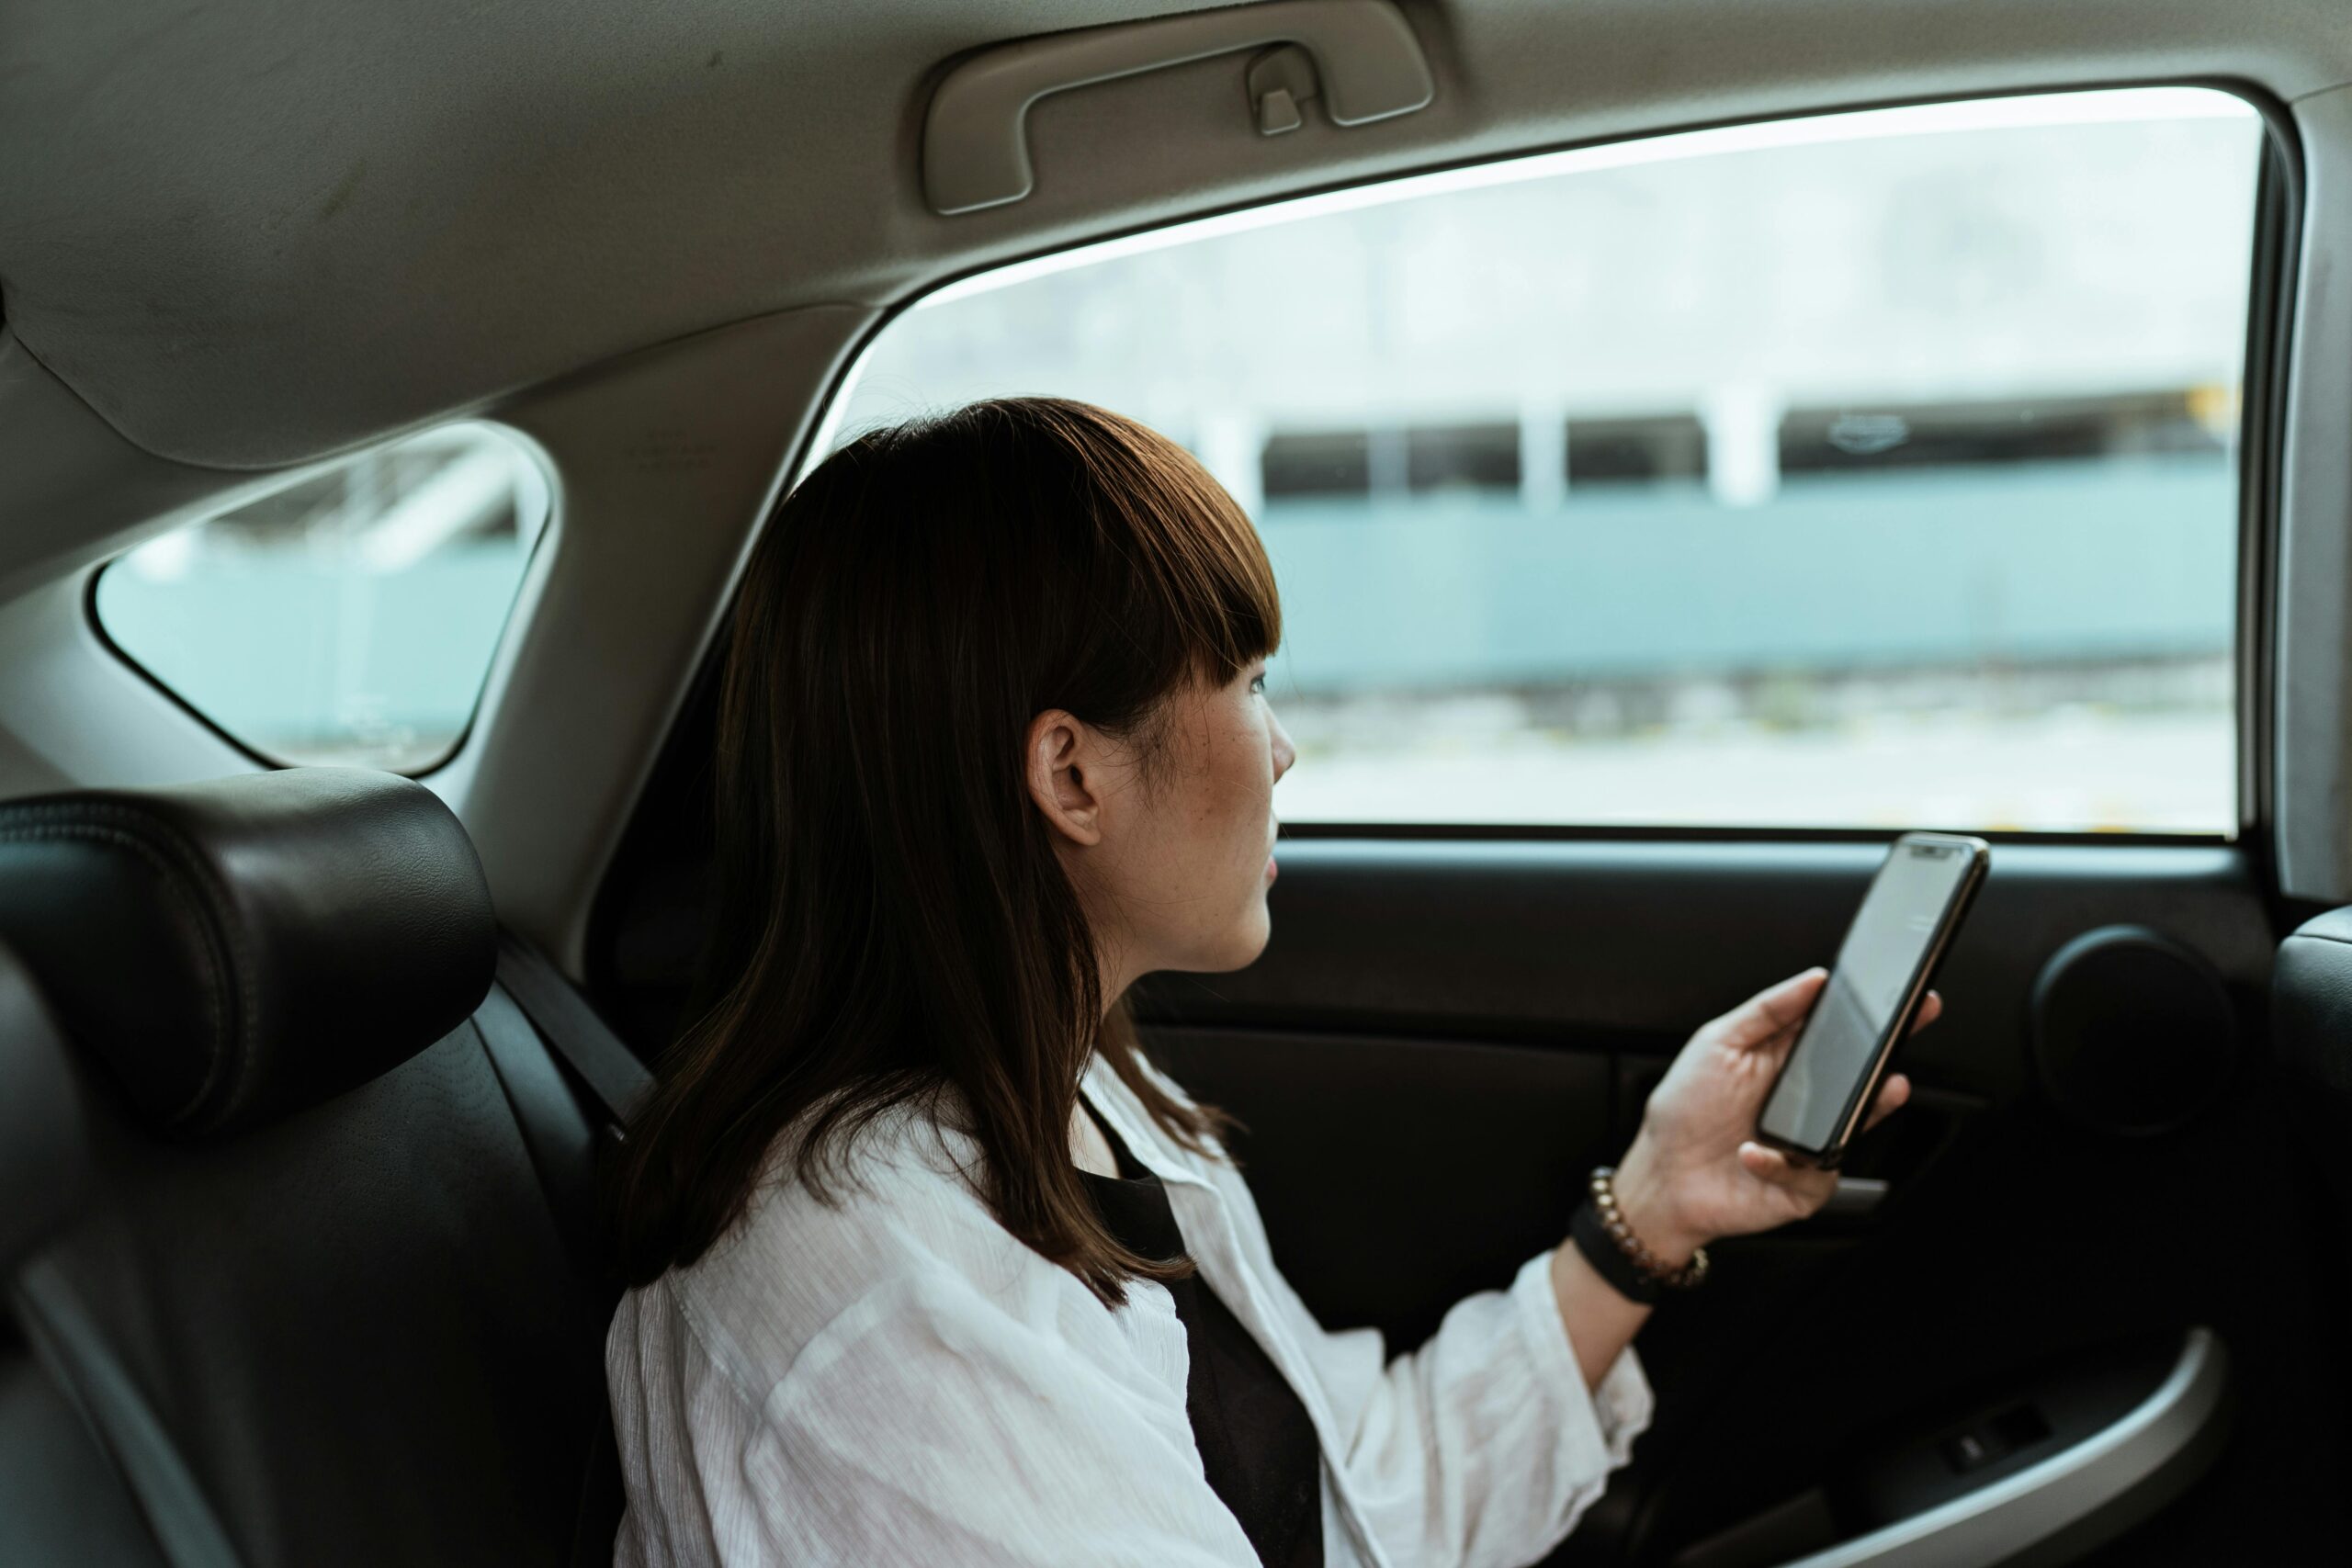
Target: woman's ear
1064	758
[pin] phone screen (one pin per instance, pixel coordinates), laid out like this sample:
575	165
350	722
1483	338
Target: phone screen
1883	950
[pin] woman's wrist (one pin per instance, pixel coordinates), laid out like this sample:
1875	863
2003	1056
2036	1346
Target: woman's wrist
1645	1200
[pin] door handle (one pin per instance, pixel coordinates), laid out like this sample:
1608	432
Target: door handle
2070	1464
2094	1488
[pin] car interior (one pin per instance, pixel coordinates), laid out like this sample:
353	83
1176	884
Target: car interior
1699	441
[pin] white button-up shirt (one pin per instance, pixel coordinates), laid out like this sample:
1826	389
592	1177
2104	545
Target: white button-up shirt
896	1380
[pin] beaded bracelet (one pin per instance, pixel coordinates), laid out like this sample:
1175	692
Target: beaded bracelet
1632	1269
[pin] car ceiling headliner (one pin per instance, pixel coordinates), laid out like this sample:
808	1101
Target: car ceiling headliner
256	231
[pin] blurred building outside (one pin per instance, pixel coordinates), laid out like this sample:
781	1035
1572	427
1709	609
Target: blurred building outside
1875	471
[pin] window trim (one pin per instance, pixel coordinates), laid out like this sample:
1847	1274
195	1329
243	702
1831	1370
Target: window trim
2271	305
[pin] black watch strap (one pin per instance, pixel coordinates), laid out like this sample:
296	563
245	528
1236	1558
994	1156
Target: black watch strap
1590	1234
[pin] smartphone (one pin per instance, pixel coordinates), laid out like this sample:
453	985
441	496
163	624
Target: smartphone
1907	918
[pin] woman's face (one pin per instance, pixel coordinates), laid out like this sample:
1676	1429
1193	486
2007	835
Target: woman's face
1169	834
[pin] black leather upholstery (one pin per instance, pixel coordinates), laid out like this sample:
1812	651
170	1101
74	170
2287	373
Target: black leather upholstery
2310	1000
235	950
354	1324
61	1505
2311	1034
44	1155
60	1501
358	1329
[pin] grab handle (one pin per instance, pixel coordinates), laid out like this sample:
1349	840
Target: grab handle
975	141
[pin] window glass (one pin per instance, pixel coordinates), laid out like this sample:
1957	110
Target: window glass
349	617
1874	470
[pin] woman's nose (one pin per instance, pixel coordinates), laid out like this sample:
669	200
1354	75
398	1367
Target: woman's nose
1284	752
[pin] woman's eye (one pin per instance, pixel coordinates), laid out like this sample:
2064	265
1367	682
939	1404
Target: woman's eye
1258	684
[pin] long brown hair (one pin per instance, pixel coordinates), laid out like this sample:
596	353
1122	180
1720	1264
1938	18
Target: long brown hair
893	925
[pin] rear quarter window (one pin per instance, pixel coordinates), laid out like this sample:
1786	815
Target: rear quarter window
350	617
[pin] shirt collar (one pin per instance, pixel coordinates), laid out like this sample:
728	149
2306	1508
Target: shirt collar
1116	1104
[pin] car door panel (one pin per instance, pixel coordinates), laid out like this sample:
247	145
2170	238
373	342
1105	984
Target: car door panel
1442	1036
1550	941
1361	1150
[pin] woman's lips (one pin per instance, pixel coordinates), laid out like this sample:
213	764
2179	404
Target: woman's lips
1271	868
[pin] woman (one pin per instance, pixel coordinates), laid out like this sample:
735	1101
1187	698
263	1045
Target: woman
930	1265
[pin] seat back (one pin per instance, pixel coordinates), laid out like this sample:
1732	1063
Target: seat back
325	1304
2311	1036
60	1501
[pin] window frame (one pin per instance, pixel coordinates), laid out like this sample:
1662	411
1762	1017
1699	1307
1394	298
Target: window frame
2274	248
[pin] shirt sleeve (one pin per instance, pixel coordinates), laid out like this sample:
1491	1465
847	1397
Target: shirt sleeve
927	1424
1482	1447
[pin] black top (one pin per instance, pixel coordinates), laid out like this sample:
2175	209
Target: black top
1257	1444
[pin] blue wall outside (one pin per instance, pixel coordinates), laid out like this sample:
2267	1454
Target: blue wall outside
2032	562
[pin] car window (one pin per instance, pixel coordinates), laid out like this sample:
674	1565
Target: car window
350	617
1866	470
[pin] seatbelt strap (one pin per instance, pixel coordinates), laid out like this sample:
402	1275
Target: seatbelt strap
544	1002
609	1070
559	1137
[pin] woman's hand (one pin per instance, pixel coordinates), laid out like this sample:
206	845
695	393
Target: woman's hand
1695	1171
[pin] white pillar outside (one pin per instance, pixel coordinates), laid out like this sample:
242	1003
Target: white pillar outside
1542	455
1743	424
1233	449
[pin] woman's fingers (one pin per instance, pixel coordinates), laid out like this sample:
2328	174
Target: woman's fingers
1804	1188
1775	1011
1892	1094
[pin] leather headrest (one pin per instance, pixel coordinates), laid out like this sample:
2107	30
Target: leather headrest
44	1161
2310	998
234	949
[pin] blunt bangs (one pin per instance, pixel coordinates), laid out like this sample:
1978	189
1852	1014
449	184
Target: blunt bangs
1205	590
